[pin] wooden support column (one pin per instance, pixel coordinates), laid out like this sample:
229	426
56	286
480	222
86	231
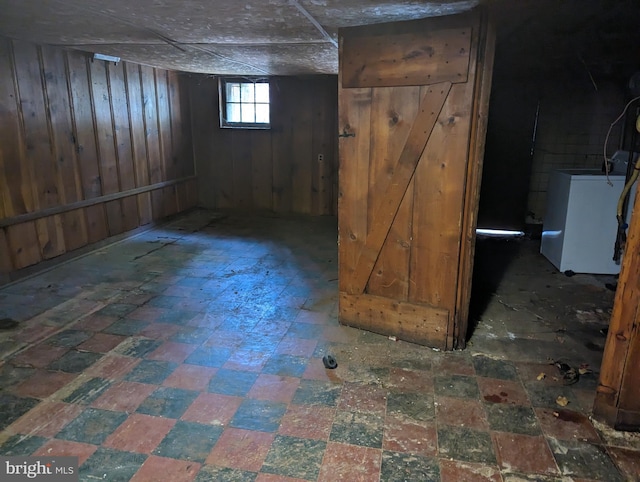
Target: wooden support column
617	400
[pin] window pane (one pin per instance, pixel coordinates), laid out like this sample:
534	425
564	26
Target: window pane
248	113
262	113
233	92
262	92
247	93
233	113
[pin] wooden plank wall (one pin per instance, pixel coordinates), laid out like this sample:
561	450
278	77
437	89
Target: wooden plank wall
88	149
275	170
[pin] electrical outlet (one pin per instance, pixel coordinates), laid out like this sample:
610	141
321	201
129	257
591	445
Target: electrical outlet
320	157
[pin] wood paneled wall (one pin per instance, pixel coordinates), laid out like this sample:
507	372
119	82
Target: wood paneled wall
88	150
276	170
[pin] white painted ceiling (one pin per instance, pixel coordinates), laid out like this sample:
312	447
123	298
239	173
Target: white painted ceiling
299	37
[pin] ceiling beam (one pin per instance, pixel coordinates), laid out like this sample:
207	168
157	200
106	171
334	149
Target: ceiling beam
315	23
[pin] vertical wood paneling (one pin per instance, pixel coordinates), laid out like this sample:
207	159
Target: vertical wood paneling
261	170
150	105
62	138
282	128
6	265
164	125
84	126
23	244
136	117
73	130
301	153
104	127
15	180
37	152
122	130
242	179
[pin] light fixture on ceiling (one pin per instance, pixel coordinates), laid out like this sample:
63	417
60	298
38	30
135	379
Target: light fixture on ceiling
107	58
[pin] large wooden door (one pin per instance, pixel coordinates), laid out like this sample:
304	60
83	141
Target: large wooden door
413	102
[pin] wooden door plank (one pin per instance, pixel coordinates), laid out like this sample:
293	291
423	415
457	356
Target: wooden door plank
114	217
74	226
136	114
394	111
121	126
38	155
130	218
50	236
354	119
411	322
439	191
15	177
23	244
104	127
426	57
176	157
388	203
150	106
187	161
144	208
84	125
482	57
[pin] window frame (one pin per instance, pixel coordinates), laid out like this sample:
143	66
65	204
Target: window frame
223	104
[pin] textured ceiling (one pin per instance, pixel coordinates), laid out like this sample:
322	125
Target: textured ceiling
298	37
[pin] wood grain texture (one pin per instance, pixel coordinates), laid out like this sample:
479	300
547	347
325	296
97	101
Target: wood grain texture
426	58
6	264
617	402
387	201
75	150
422	324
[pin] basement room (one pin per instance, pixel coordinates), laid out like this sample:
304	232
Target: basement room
311	240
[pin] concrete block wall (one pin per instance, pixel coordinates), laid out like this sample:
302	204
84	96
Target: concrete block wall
571	130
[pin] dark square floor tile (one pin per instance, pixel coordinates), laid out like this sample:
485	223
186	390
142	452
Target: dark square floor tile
112	465
92	426
262	415
545	396
416	406
209	356
358	428
360	397
167	402
192	335
138	347
628	460
402	467
164	301
151	371
66	448
490	368
21	445
210	473
585	460
13	407
69	338
88	391
177	317
286	365
116	309
404	435
503	391
46	419
307	421
466	444
12	375
189	441
295	457
126	327
460	386
75	361
315	392
566	425
512	418
232	382
172	352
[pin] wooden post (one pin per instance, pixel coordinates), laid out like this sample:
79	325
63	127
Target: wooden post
617	400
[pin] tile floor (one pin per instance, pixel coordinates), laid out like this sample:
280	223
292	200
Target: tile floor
193	352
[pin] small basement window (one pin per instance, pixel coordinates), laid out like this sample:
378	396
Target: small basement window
244	103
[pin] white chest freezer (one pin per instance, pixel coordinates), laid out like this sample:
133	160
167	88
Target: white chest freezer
580	226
